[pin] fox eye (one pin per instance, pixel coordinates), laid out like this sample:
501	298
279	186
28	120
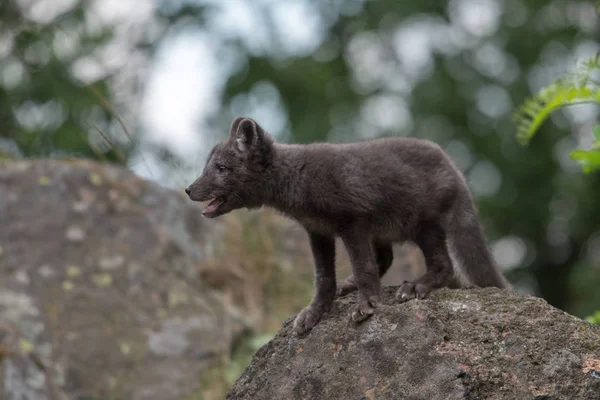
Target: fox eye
221	168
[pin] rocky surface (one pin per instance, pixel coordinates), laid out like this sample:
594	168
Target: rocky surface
100	295
459	344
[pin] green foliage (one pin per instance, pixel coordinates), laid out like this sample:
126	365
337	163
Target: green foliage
46	110
243	355
576	88
594	318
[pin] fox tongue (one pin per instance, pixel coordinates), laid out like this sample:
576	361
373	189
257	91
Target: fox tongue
212	206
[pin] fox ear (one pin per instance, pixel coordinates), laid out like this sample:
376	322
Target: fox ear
234	126
247	133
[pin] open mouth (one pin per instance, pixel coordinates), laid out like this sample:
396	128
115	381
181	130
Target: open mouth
212	206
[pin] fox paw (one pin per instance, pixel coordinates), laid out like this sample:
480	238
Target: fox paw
307	319
411	290
364	309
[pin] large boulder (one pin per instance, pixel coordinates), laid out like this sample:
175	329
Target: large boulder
100	294
458	344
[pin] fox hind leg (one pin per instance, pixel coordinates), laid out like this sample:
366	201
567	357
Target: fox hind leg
439	273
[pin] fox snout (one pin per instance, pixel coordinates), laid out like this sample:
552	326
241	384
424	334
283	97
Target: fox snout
203	191
200	190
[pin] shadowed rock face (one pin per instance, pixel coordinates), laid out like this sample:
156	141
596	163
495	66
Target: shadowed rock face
458	344
99	290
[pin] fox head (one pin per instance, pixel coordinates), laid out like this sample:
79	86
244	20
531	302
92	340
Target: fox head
236	170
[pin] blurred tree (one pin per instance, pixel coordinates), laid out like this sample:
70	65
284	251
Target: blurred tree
53	90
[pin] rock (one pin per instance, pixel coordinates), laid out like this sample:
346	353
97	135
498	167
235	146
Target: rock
100	294
75	234
458	344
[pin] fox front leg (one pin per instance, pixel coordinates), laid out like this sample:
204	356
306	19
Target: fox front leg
365	272
323	249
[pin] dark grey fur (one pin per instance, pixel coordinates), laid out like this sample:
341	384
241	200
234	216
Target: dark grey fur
370	194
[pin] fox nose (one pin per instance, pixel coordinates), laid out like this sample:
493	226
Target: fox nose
187	190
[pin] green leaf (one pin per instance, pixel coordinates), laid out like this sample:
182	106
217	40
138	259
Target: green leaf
589	159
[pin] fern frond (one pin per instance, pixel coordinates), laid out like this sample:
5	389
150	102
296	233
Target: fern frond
530	116
576	88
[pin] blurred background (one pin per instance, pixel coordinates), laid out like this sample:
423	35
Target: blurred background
153	85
